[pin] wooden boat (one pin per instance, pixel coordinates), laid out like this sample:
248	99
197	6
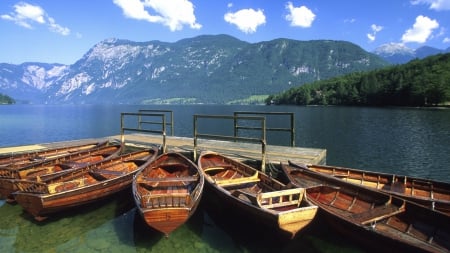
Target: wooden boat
167	191
52	167
255	194
20	159
372	217
80	187
429	193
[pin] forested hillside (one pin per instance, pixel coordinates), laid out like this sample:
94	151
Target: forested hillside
423	82
4	99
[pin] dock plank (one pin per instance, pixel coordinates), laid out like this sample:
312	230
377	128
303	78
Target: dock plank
238	150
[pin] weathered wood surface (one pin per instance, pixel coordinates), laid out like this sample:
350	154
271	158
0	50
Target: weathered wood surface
236	150
40	146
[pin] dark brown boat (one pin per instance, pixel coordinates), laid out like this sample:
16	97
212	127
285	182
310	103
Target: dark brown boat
167	191
20	159
255	194
430	193
378	220
53	167
80	187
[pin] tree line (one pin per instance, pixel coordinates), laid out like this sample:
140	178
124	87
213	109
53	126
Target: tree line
4	99
424	82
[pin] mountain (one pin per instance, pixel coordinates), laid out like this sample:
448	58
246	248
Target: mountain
421	82
29	82
203	69
397	53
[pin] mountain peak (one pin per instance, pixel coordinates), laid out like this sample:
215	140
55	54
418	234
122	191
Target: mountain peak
202	69
392	48
398	53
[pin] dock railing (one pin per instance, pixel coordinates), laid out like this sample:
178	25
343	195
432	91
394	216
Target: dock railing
168	113
235	118
139	116
290	129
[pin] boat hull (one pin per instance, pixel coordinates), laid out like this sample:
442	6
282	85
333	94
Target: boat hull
243	194
373	218
168	191
429	193
53	167
81	187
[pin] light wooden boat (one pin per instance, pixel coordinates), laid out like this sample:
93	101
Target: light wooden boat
20	159
167	191
380	221
256	195
53	167
98	180
430	193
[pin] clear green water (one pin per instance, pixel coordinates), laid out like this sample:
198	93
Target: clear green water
113	225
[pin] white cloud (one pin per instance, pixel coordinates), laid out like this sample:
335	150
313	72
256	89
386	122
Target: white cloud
299	16
27	14
446	40
247	20
421	30
438	5
171	13
57	28
375	29
350	20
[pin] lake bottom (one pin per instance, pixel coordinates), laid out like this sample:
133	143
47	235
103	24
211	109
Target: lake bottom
114	225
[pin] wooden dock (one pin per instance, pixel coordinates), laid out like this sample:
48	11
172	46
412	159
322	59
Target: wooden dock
237	150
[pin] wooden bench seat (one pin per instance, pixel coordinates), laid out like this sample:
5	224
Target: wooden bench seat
100	174
180	199
221	167
377	213
237	181
168	179
281	198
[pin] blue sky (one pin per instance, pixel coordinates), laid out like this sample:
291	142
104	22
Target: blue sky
62	31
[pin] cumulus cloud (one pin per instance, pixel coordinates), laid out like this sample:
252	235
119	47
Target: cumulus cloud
421	30
299	16
375	29
446	40
438	5
350	20
26	15
247	20
171	13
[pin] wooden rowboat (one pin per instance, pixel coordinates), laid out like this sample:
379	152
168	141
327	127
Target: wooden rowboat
167	191
378	220
53	167
255	194
429	193
20	159
80	187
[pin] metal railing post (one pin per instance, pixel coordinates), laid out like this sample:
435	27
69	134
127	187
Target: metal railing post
122	134
263	145
164	133
195	138
292	130
235	125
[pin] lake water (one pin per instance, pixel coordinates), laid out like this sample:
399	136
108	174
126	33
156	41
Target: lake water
407	141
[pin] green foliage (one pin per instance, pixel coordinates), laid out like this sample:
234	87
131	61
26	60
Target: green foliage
4	99
179	101
423	82
252	100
